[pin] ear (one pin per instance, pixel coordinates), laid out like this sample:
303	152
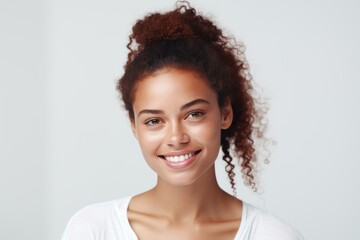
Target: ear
226	115
133	129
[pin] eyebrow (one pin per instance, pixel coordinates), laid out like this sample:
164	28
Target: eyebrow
194	102
185	106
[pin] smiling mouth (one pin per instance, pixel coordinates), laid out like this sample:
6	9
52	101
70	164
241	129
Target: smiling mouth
179	158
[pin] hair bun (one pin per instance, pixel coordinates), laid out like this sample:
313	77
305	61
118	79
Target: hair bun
180	23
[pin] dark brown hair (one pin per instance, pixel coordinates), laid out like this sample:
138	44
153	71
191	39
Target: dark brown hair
184	39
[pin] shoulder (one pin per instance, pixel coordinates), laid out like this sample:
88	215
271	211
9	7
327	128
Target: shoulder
266	226
94	220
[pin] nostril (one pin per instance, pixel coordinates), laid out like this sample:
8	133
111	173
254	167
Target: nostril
176	135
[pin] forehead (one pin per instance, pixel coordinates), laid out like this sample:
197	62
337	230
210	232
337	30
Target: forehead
171	86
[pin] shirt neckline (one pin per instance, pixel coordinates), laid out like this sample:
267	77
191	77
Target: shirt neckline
129	229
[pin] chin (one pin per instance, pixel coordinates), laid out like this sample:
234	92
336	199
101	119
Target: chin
186	178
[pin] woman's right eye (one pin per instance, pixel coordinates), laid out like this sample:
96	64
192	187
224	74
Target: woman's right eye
152	122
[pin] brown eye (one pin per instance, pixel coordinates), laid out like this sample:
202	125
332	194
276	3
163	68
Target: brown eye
152	122
195	114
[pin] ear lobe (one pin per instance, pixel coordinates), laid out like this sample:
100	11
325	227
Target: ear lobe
133	129
226	116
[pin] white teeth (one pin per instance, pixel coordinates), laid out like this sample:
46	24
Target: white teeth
179	158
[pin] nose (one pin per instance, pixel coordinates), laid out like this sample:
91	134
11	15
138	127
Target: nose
177	136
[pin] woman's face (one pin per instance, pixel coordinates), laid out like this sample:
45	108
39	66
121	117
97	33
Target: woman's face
178	123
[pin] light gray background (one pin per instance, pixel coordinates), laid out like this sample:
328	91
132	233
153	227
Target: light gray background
65	141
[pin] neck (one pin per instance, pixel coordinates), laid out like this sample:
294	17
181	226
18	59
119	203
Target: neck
191	202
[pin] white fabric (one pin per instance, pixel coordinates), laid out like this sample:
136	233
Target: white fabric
108	221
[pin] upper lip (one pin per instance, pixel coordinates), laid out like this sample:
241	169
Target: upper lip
173	154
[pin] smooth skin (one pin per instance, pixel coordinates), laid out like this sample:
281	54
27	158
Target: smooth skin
176	113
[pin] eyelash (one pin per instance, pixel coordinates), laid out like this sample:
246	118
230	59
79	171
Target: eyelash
155	121
197	114
152	122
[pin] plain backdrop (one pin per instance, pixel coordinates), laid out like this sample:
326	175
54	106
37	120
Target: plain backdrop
65	140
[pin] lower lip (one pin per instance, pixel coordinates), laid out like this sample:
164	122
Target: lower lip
181	165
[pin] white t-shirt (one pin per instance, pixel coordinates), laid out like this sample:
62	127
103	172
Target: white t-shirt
108	221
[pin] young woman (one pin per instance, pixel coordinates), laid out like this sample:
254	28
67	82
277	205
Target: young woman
188	93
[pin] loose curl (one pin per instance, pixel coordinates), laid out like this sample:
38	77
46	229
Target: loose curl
184	39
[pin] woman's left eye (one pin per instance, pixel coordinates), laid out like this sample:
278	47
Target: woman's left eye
196	114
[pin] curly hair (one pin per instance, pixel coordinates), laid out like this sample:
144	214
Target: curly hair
184	39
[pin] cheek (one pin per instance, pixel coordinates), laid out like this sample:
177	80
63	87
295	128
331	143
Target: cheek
149	141
208	133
